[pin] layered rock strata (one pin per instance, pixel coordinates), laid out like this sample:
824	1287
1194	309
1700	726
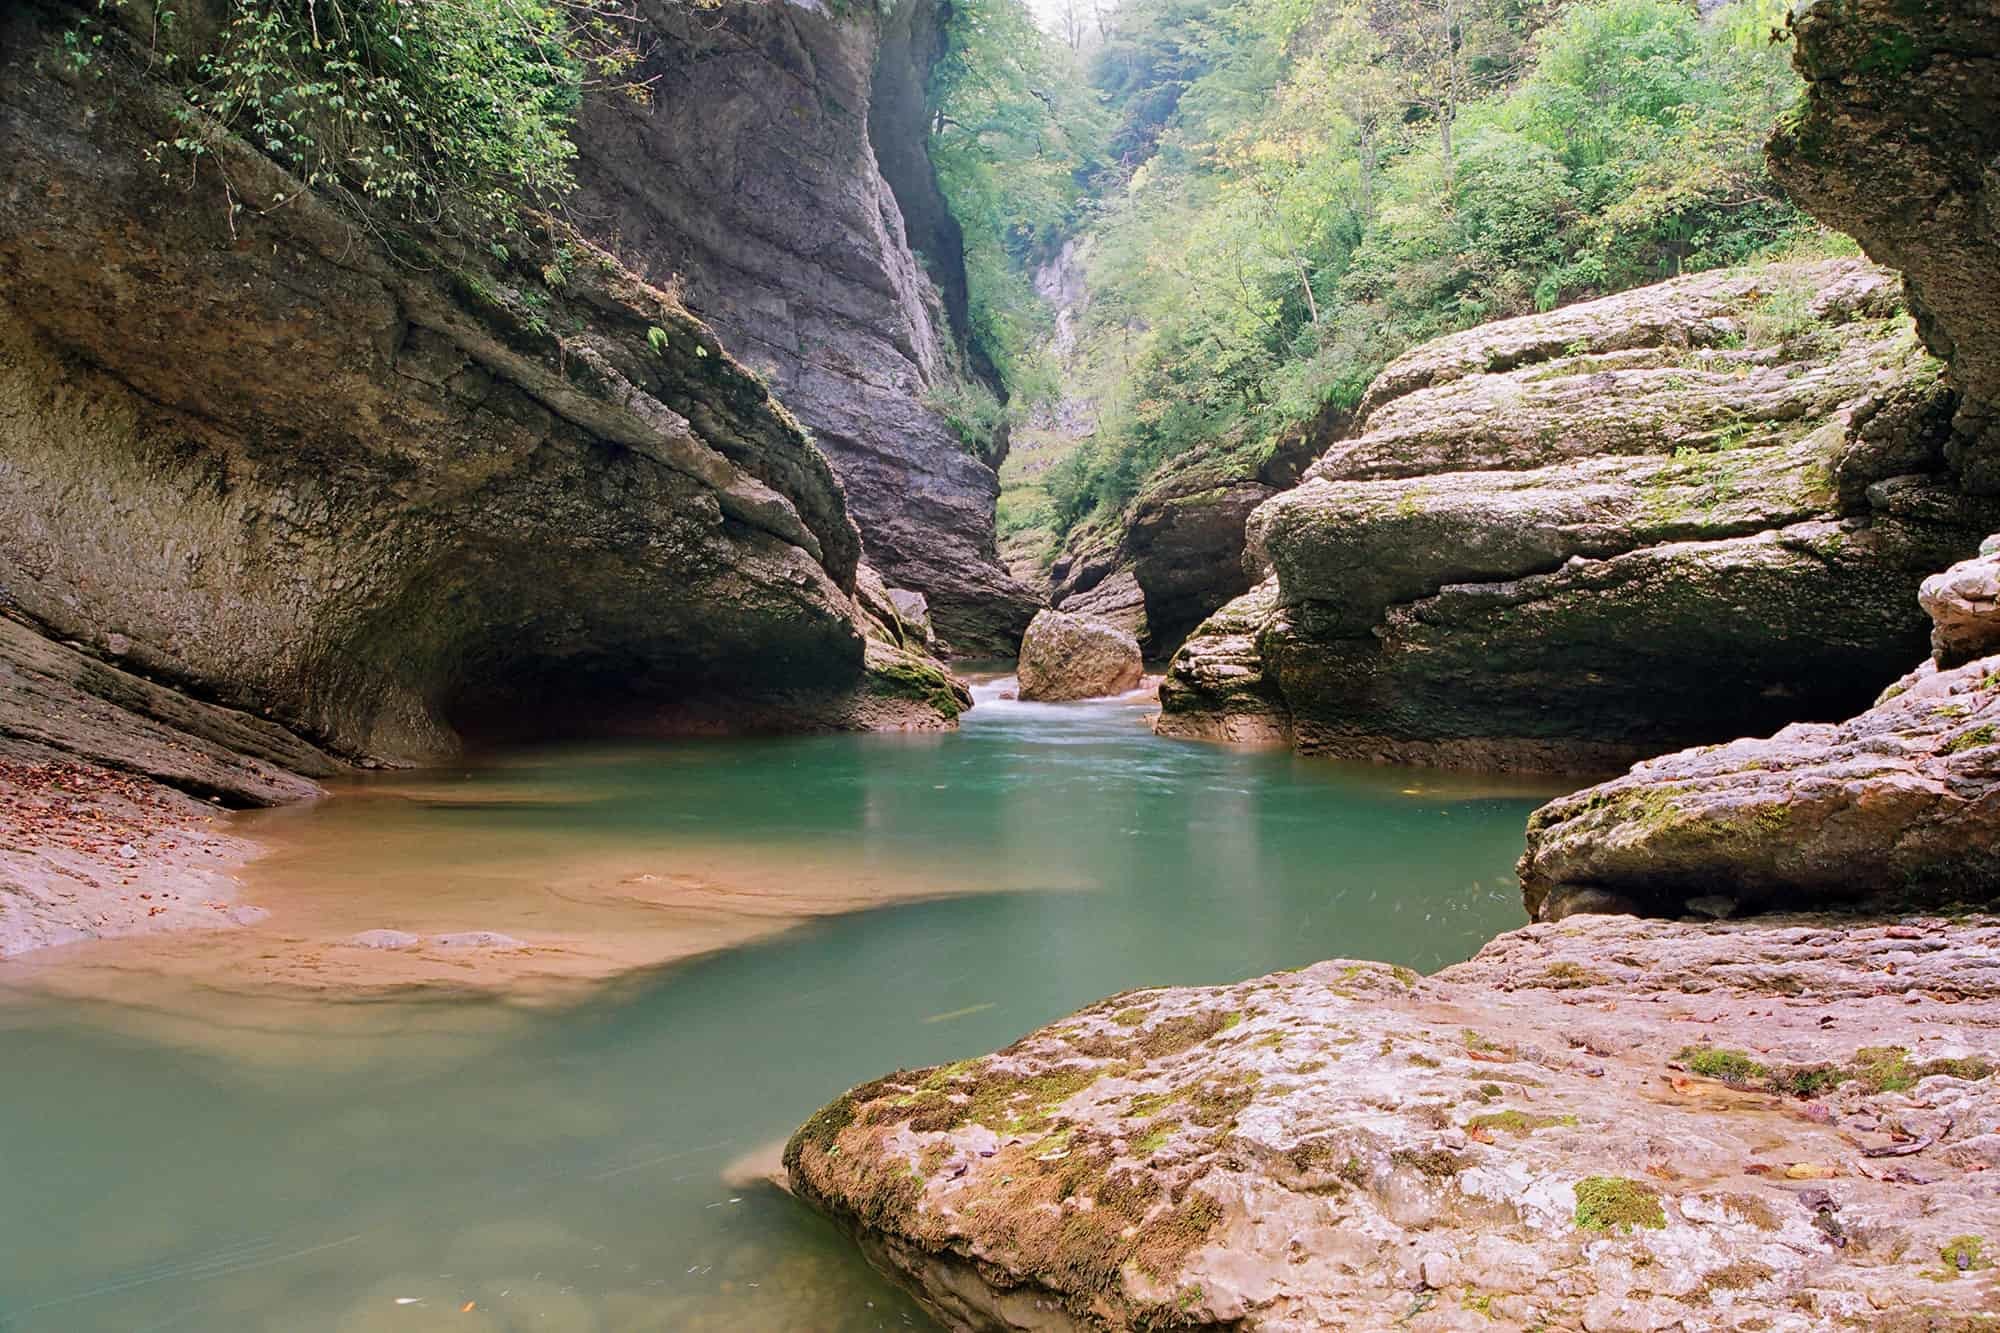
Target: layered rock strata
382	498
1602	1124
1903	799
778	179
1567	540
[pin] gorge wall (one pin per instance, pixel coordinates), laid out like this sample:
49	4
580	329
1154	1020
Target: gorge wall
779	181
378	497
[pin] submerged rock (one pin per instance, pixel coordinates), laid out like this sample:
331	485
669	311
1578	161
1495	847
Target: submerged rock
1903	799
1066	656
1568	540
1602	1124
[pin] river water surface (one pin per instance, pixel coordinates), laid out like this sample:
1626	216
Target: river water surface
254	1146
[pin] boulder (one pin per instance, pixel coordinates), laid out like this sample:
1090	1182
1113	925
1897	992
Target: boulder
1066	656
1964	607
1902	800
1605	1124
1567	541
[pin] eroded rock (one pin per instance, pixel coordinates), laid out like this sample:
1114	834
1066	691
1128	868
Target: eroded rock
1573	539
384	501
1901	800
1895	143
1598	1124
1066	656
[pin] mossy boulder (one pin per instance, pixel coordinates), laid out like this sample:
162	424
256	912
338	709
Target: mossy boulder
1066	656
1565	541
1516	1142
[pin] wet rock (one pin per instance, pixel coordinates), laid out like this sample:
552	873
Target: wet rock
1598	1123
1066	656
1565	541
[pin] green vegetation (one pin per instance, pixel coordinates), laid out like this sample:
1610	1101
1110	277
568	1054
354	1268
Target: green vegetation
1013	134
1964	1254
1282	194
1877	1068
1612	1203
447	113
1519	1122
1731	1067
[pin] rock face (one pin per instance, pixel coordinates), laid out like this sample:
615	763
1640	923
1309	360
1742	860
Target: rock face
1175	555
1895	144
1905	797
1564	541
1077	657
382	501
779	182
1603	1124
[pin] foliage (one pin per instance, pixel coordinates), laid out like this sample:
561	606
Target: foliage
446	112
1013	133
973	411
1328	182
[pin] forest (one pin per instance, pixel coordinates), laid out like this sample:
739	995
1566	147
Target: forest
1277	197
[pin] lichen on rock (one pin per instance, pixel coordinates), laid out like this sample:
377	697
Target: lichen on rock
1568	540
1518	1142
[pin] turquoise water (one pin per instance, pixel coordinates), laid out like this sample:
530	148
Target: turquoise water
563	1168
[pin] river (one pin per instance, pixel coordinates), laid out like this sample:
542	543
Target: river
565	1149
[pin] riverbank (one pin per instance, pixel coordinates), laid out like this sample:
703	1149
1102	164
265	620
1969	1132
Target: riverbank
86	853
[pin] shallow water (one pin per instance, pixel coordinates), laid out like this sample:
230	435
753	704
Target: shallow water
282	1159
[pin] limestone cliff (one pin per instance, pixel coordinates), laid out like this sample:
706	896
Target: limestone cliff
1562	541
779	181
383	497
1897	144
